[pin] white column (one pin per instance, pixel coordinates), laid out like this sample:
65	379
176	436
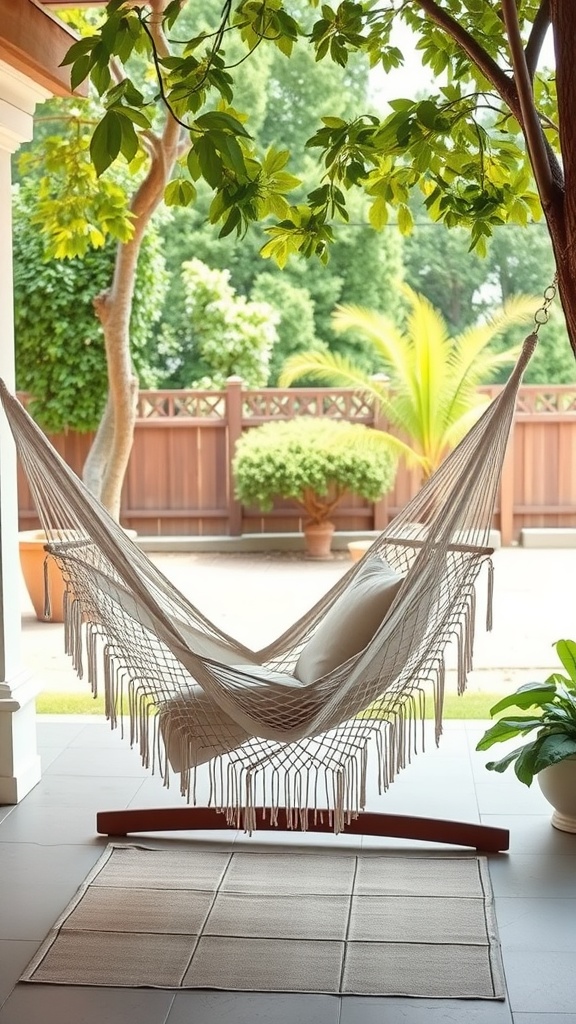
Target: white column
19	760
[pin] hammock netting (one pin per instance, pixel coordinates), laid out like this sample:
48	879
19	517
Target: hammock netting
268	734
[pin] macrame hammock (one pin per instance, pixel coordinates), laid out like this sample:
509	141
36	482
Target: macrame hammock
284	732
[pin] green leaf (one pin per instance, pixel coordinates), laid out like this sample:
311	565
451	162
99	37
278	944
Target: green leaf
218	119
566	651
100	76
232	221
79	49
209	160
378	213
552	749
129	145
525	766
405	219
79	71
179	192
506	729
136	116
505	762
106	142
527	696
427	113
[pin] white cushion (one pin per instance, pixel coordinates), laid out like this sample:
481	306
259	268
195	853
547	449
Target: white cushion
195	729
352	622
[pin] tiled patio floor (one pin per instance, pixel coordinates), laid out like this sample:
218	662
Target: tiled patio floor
48	844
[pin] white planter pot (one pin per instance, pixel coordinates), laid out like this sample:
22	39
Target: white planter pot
558	784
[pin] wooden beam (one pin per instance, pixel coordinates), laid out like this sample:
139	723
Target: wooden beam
486	838
34	42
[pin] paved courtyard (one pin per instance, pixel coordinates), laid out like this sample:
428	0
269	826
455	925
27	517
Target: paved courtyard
255	597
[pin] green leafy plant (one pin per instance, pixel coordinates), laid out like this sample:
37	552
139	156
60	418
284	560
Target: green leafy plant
60	357
227	333
429	391
553	719
314	462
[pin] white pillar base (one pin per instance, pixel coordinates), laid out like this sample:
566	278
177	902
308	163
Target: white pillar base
19	760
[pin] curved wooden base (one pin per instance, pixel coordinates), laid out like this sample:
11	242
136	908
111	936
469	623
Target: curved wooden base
175	819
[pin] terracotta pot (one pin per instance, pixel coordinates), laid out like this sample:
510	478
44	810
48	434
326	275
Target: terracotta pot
318	538
358	548
558	784
32	559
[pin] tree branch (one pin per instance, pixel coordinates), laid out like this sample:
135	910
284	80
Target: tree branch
503	84
540	26
530	120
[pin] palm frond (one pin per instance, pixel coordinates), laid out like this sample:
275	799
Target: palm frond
386	339
330	367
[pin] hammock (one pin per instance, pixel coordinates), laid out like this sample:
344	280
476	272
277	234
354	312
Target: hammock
285	731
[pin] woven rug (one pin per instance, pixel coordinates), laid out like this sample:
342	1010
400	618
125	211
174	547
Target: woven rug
279	921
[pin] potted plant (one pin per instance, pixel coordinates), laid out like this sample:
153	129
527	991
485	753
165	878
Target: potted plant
43	579
313	461
551	721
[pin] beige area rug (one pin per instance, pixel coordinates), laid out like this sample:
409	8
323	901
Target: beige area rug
279	921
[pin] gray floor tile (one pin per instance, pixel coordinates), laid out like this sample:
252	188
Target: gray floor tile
540	982
153	793
544	1018
437	766
29	911
510	797
82	791
57	733
537	924
49	865
99	734
14	956
49	825
440	801
117	763
47	756
366	1010
533	833
553	876
59	1004
247	1008
5	810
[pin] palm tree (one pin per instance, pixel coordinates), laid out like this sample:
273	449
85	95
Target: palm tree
429	394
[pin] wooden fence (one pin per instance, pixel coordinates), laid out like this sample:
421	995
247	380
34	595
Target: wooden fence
179	480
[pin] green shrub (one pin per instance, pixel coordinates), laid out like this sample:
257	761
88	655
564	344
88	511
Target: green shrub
313	461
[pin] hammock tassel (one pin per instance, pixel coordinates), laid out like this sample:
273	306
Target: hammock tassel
490	596
47	602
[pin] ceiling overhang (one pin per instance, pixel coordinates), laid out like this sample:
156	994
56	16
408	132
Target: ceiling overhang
35	42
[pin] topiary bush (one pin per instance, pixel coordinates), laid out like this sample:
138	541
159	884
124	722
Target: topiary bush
314	462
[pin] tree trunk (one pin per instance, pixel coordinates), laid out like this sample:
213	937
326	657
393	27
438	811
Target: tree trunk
562	222
107	461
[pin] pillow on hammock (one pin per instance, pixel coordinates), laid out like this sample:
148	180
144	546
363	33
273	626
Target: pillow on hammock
195	729
351	623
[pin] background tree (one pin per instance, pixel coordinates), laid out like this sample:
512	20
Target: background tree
463	286
60	358
225	334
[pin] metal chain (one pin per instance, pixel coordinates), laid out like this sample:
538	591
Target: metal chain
542	315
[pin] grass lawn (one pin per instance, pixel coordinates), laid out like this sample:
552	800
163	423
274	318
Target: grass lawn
471	705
